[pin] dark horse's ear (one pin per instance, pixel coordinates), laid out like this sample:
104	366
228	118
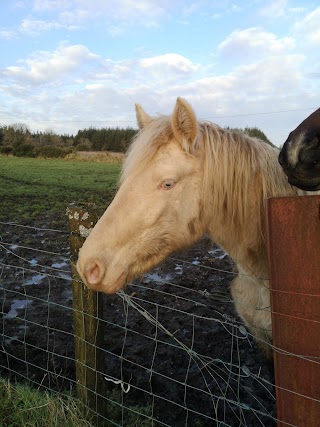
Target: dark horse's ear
184	124
143	118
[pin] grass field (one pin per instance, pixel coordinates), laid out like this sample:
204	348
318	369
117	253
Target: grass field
33	189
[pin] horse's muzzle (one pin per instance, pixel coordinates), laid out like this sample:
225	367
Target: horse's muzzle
94	275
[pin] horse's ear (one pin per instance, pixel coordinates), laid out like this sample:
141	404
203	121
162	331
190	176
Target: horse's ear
184	122
143	118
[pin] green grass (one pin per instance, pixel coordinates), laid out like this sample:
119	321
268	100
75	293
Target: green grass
21	406
31	188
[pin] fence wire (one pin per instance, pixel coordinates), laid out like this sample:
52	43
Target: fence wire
175	352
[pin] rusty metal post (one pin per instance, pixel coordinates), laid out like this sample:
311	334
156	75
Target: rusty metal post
87	315
293	228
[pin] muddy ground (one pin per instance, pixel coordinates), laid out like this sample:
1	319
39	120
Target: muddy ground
197	366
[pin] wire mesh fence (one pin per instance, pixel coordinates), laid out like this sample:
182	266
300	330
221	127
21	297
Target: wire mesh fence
175	353
34	293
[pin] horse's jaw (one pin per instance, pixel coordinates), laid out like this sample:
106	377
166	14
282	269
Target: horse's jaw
309	185
300	179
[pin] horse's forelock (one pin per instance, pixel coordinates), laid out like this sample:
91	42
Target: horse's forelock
145	146
147	142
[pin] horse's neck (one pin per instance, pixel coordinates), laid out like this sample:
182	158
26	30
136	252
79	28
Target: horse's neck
247	248
237	182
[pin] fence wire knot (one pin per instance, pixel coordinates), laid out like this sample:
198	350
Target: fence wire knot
124	387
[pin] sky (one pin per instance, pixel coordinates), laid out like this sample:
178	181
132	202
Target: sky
66	65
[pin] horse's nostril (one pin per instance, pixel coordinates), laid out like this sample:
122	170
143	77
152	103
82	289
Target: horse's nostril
94	273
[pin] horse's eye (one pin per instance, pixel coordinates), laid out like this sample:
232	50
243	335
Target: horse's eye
168	184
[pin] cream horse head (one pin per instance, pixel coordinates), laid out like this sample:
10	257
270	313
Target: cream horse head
183	179
157	209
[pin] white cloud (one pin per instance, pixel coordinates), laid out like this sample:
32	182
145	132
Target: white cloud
274	8
48	5
154	71
309	27
72	83
46	67
7	34
117	16
168	63
75	18
35	27
242	43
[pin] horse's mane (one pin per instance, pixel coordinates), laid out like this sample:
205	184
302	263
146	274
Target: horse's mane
240	172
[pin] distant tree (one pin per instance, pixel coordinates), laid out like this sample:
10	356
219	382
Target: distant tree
254	132
51	151
67	140
1	135
20	128
98	141
257	133
82	144
28	138
48	137
24	150
13	135
6	149
18	139
111	139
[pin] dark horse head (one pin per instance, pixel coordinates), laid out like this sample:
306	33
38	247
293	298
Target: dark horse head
300	154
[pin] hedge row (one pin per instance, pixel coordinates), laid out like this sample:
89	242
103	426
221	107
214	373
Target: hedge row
29	150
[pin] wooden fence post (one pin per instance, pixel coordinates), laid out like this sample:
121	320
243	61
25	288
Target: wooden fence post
87	315
293	228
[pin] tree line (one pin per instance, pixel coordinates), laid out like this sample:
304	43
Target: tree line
18	140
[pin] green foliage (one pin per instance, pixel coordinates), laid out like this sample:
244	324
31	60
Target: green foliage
26	144
105	139
1	135
6	149
23	150
50	145
253	132
49	151
257	133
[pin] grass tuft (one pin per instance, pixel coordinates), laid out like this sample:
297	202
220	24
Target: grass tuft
23	406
